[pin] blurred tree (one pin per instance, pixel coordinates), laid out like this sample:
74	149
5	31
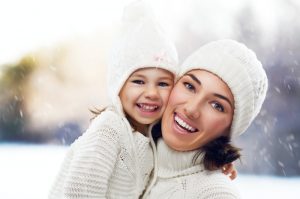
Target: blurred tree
13	114
271	145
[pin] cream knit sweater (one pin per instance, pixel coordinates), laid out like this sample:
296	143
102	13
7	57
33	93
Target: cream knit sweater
107	161
179	178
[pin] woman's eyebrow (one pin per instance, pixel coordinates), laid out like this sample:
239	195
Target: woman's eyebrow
194	78
215	94
224	98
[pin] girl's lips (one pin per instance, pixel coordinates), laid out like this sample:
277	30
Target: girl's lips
182	125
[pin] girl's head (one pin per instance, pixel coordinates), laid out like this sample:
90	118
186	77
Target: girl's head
220	92
145	94
143	60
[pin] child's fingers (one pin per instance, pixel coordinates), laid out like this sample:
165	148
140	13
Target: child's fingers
233	175
228	168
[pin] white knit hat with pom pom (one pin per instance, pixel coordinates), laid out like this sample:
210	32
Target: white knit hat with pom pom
142	43
240	69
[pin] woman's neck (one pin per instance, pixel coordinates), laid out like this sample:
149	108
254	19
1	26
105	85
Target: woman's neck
174	163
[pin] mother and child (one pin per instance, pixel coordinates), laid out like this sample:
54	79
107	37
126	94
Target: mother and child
168	130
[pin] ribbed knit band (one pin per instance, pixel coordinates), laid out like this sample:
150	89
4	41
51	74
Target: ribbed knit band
142	44
239	68
184	161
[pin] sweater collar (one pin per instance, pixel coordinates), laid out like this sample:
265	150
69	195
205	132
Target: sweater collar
173	163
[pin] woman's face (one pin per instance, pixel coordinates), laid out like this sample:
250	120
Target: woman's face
200	109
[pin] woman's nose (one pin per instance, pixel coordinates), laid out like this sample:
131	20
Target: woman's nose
192	108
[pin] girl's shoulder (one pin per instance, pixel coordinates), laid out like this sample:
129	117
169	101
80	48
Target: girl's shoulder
108	117
108	124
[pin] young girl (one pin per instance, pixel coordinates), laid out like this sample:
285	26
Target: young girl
113	158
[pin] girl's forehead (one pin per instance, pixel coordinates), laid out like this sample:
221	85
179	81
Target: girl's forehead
153	70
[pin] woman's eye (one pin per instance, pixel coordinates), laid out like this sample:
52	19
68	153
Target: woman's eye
218	106
138	82
163	84
189	86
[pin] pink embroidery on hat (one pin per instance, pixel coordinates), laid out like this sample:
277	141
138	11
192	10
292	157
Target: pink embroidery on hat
159	57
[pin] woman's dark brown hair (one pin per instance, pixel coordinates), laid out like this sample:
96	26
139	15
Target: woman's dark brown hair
217	153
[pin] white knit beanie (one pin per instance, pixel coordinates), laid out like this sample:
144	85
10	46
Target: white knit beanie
142	44
240	69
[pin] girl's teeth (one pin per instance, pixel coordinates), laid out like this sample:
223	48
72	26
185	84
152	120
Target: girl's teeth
184	124
147	107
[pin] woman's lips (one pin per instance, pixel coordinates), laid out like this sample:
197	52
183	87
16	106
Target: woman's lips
183	125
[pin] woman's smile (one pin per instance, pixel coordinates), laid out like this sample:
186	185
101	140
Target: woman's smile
183	125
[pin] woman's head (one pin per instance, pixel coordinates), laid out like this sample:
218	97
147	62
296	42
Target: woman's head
200	109
231	79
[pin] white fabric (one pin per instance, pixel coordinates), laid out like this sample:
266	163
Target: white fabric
104	163
240	69
179	178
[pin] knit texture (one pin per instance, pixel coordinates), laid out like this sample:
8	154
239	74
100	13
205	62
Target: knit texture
179	178
240	69
101	163
141	43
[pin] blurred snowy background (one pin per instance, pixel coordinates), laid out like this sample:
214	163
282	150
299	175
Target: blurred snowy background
52	71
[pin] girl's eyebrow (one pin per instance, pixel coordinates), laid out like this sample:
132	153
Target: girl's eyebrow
215	94
137	75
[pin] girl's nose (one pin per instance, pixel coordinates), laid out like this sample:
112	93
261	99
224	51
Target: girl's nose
152	93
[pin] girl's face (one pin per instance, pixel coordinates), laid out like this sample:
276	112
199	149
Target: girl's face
145	94
200	109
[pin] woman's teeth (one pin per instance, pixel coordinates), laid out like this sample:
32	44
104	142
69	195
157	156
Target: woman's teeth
184	125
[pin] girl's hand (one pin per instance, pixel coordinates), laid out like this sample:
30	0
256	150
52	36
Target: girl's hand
229	169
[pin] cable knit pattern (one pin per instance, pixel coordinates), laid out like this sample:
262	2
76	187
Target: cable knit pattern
178	178
103	163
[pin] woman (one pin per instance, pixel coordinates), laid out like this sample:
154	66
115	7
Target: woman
220	92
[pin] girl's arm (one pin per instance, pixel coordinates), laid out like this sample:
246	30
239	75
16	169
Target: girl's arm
229	169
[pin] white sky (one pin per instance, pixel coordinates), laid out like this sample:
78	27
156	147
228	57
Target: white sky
27	24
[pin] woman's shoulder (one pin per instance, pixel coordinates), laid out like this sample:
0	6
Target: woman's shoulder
214	184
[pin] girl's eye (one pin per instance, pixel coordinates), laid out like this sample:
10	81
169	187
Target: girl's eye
218	106
138	81
189	86
163	84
